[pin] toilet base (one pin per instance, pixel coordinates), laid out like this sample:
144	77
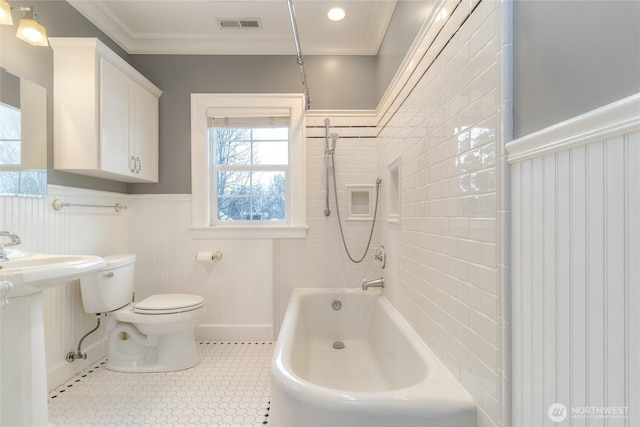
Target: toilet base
130	351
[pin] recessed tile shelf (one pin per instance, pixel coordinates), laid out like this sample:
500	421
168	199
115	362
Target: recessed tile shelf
360	202
395	191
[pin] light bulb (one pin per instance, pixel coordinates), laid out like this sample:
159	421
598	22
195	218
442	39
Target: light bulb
5	13
32	32
336	14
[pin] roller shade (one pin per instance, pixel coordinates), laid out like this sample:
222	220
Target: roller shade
243	118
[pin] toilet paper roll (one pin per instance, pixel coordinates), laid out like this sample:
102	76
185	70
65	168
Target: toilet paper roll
204	257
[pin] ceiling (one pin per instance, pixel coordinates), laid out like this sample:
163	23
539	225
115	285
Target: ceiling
193	26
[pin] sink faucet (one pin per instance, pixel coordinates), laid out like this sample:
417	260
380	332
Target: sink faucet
375	283
14	240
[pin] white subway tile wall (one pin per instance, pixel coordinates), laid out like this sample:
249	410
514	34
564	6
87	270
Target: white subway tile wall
320	259
443	267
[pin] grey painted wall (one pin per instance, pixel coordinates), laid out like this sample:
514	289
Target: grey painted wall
571	57
408	17
335	82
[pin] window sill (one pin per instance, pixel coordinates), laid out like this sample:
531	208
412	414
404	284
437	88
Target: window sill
247	232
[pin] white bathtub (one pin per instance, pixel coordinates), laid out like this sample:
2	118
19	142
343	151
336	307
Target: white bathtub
384	376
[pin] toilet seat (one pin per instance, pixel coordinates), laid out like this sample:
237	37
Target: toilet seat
168	304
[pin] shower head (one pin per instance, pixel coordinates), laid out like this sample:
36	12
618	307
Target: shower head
334	137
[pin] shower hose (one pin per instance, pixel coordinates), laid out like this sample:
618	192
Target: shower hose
375	214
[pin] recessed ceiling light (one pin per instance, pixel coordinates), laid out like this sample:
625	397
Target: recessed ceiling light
336	14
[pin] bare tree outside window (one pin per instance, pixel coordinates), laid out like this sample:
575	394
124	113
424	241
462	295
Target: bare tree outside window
10	136
248	187
14	179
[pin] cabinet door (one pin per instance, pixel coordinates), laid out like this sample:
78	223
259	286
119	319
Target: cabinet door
115	119
146	134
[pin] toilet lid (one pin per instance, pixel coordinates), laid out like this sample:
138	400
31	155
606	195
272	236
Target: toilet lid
168	303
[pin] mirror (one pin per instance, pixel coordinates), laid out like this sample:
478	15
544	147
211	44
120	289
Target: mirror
23	137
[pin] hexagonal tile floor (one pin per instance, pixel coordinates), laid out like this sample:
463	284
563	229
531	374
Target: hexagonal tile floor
229	387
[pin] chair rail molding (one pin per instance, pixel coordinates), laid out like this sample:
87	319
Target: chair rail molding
613	119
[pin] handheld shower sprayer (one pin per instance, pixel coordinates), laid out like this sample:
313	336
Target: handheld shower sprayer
329	152
327	211
329	148
332	149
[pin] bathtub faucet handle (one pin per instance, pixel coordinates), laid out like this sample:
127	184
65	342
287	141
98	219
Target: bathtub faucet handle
375	283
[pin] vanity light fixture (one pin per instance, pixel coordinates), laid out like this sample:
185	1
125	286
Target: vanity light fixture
5	13
30	30
336	14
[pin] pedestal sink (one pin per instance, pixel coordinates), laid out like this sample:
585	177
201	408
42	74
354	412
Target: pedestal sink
31	273
23	397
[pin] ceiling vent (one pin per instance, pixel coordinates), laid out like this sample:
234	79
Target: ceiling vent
249	23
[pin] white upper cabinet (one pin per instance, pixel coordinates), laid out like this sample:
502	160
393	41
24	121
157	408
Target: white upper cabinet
105	113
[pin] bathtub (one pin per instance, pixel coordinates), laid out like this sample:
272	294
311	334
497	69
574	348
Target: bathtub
384	376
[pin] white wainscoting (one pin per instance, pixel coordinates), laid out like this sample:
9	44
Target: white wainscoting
238	289
73	230
576	269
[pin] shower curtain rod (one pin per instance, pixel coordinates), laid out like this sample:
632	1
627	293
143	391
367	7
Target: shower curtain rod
299	59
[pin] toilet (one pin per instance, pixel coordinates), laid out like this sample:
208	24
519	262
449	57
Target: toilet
156	334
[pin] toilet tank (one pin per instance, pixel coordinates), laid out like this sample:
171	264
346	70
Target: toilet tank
110	288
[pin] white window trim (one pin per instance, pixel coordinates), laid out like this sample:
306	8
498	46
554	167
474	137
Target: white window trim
200	185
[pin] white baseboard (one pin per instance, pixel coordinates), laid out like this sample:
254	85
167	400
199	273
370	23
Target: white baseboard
64	370
217	332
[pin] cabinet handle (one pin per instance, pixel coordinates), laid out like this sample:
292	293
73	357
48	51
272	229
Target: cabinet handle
139	165
132	164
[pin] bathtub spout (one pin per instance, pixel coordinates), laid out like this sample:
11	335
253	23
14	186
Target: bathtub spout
375	283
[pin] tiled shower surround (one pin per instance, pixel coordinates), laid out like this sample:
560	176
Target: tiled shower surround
442	122
444	270
445	251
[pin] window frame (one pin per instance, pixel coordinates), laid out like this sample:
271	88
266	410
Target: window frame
201	187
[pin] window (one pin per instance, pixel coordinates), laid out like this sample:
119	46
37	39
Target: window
15	179
248	176
250	168
10	136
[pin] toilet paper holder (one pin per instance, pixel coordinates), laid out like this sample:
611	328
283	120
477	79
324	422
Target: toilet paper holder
208	257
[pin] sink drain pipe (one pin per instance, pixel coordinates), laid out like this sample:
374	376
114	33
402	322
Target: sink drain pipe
71	356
